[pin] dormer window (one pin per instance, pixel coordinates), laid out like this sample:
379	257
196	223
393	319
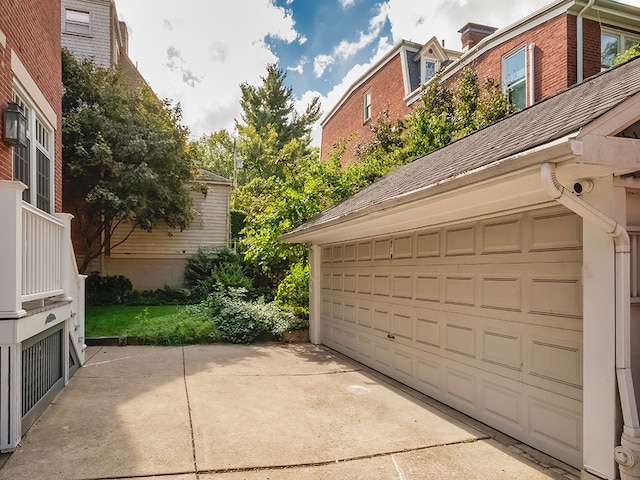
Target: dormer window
430	67
432	58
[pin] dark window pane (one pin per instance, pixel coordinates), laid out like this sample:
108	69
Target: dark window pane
44	190
21	168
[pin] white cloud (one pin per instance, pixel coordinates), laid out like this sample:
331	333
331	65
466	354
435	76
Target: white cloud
215	48
202	55
299	69
347	3
320	64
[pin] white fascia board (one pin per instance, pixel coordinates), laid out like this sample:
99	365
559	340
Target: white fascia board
613	13
3	39
556	151
398	48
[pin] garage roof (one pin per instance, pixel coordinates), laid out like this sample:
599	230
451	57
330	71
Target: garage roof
549	120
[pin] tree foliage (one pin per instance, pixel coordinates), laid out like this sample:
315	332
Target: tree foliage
124	157
628	54
278	204
273	135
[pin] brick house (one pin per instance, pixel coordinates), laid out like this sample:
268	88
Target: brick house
151	260
534	58
41	293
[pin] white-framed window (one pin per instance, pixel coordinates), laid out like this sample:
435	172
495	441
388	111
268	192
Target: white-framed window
366	106
429	68
33	165
613	42
514	78
77	21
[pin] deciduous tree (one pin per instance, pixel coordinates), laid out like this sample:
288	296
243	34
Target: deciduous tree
124	157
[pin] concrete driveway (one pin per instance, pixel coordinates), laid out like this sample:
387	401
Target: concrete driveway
256	412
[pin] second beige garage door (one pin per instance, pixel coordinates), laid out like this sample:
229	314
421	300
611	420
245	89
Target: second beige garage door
485	316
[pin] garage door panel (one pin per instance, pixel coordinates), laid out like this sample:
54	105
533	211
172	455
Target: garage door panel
501	292
555	428
461	388
460	289
484	316
460	340
403	364
555	295
502	348
402	326
502	236
428	376
428	287
428	332
505	405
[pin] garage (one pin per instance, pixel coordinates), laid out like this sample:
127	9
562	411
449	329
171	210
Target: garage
484	316
500	275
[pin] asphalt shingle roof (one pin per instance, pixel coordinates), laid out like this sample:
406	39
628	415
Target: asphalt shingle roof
549	120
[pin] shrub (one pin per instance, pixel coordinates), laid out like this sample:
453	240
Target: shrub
164	296
214	269
293	291
107	290
234	318
241	321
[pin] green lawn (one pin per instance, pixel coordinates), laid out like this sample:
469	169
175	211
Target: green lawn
159	324
113	321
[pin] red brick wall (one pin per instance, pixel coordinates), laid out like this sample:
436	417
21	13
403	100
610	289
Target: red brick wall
555	70
32	28
387	91
551	56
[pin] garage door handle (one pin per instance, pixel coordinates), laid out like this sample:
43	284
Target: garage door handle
392	337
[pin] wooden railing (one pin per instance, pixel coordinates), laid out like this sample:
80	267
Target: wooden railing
634	236
43	239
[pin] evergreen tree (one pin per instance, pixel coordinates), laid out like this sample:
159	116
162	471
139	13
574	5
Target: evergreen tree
273	134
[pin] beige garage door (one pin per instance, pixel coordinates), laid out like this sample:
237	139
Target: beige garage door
484	316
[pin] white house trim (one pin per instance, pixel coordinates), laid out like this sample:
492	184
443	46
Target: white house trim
29	87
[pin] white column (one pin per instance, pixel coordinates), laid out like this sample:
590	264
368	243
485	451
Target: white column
601	421
66	268
315	288
11	251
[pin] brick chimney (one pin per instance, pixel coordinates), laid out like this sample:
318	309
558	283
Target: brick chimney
472	33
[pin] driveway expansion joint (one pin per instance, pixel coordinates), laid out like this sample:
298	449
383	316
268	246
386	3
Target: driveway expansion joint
339	460
186	391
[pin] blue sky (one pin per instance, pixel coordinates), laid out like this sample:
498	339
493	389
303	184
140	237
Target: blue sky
198	52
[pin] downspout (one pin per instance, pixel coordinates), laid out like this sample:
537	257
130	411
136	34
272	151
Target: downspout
628	453
532	71
579	35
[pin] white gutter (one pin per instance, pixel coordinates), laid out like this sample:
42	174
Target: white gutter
580	60
628	454
532	74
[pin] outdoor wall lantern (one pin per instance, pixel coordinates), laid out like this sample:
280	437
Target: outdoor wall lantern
15	126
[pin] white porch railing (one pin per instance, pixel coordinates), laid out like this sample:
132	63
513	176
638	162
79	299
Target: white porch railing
42	236
634	236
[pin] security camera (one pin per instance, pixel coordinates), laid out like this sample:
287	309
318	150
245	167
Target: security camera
582	186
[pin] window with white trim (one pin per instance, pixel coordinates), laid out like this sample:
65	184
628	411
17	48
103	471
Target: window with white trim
429	68
514	78
614	42
77	21
33	165
366	106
